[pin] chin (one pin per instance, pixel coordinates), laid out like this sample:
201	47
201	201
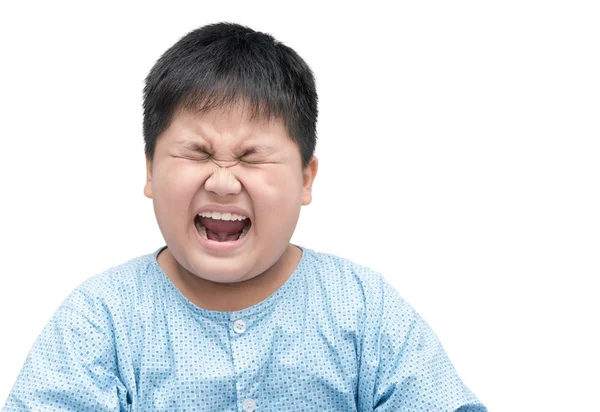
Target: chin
223	272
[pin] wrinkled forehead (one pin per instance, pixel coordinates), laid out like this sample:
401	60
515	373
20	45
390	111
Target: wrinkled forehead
235	123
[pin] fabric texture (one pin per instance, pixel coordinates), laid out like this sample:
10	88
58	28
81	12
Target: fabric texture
334	337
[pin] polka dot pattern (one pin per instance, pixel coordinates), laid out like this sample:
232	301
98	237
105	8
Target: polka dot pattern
334	337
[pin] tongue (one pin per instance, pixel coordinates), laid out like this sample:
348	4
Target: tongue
222	237
222	230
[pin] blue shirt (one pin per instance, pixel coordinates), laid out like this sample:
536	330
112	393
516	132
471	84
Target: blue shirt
334	337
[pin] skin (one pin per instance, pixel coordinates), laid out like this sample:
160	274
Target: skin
270	185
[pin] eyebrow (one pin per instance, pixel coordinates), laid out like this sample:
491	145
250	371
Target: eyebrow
250	150
245	150
196	146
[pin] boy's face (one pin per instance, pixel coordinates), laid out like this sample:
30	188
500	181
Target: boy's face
205	160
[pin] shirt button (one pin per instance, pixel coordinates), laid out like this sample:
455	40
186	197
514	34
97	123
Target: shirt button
240	326
249	405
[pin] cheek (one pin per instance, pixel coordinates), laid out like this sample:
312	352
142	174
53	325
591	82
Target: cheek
275	192
175	186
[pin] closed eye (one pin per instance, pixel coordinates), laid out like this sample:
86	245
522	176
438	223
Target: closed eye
253	162
196	157
254	155
196	151
202	155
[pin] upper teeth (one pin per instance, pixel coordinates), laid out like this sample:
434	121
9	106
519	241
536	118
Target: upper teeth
222	216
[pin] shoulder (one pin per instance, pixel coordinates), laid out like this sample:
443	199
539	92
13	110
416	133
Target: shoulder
84	346
113	293
339	269
355	287
338	272
401	360
123	278
386	318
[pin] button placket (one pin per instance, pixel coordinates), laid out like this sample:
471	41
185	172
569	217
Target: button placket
242	363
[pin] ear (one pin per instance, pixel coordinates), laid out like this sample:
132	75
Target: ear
148	186
309	173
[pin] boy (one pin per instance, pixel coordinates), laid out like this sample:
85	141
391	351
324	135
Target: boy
230	316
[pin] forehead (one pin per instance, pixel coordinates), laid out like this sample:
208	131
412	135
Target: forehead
227	124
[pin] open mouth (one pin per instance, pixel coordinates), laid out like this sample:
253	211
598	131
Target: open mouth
222	227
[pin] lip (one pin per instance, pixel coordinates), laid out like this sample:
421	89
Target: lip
223	209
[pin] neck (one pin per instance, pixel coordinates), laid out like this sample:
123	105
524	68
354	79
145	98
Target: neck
230	297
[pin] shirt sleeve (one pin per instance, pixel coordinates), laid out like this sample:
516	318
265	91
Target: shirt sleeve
72	364
414	371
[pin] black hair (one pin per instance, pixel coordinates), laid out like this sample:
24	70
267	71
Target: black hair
221	64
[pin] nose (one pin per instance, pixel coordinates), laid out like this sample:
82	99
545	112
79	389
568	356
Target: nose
223	182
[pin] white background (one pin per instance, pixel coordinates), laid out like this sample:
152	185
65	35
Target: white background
459	155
